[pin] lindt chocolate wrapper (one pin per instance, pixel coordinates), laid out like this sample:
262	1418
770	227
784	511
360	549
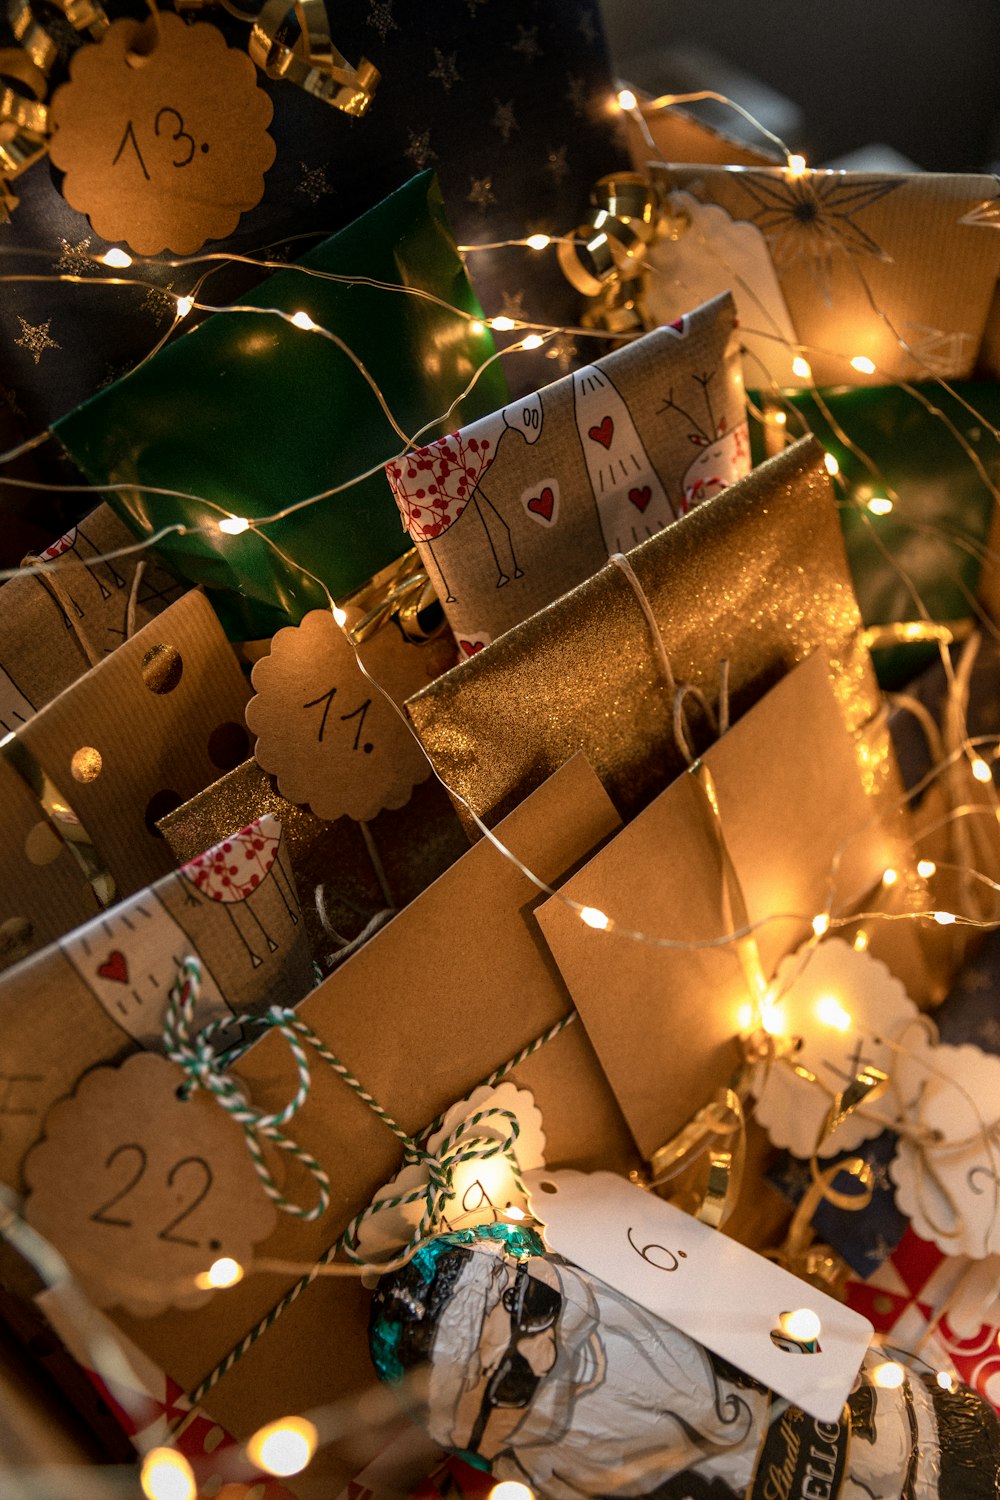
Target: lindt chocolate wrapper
516	508
756	576
527	1364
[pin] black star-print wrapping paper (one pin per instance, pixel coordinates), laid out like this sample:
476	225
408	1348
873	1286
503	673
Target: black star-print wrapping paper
511	106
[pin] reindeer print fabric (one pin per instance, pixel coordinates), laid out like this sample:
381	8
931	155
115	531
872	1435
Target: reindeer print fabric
518	508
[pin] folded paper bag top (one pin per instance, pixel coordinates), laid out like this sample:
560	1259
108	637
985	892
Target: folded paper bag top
510	512
757	576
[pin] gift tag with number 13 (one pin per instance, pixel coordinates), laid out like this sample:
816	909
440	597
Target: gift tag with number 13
162	134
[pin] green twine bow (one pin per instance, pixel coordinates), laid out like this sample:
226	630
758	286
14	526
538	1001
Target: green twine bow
206	1068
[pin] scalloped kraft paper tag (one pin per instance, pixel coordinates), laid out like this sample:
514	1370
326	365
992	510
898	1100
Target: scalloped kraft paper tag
162	134
141	1191
843	1007
712	1288
325	731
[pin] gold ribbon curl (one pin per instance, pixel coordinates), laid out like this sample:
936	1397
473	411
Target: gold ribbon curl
312	62
24	120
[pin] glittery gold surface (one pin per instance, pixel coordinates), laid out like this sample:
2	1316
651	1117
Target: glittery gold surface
757	575
415	845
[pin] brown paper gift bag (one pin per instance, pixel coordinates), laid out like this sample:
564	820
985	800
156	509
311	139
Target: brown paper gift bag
515	509
757	576
134	737
899	271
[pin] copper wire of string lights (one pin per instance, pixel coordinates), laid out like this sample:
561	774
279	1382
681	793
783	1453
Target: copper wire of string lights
332	1420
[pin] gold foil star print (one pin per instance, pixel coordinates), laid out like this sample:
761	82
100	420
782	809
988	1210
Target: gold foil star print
35	338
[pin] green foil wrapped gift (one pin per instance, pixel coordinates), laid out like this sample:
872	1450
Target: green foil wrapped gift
255	414
933	453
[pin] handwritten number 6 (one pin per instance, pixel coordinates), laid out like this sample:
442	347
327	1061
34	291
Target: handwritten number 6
657	1266
180	134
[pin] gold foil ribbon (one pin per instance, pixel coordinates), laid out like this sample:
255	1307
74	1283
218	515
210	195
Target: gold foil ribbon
605	257
60	814
24	121
312	62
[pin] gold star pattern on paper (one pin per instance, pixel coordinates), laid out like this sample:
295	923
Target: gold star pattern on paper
8	398
113	373
445	70
35	338
576	95
563	352
585	26
527	43
314	183
75	260
381	18
556	164
419	150
936	351
161	301
512	306
481	192
504	121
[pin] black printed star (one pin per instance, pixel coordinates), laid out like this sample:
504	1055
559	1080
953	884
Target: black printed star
381	18
419	150
811	217
527	43
504	121
445	70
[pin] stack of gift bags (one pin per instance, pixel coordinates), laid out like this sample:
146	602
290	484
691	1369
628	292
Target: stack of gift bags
496	980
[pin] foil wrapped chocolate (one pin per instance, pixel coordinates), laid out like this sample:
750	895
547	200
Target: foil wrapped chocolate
530	1367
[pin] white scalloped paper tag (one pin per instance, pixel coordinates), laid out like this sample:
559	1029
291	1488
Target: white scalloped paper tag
716	1291
481	1190
843	1007
947	1166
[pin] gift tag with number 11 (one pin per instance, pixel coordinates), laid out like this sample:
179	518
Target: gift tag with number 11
744	1308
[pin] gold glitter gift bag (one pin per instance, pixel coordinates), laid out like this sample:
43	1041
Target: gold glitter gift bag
757	577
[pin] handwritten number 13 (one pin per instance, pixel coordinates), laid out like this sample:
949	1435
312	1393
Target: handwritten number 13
160	126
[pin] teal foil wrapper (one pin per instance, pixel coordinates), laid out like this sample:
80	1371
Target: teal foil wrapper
930	545
254	415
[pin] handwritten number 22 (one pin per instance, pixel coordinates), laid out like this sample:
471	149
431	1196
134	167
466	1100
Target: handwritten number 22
159	128
102	1216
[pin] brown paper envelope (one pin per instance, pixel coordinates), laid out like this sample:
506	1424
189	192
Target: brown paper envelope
139	734
515	509
333	863
99	993
757	575
451	989
865	261
663	1021
679	136
54	627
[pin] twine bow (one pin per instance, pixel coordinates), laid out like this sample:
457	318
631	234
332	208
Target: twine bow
205	1067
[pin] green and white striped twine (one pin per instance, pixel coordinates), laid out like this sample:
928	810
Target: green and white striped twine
191	1049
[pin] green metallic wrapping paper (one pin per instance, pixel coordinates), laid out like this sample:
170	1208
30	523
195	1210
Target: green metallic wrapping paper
935	535
756	575
254	414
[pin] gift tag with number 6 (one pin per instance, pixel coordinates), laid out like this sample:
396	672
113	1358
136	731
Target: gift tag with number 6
766	1322
142	1190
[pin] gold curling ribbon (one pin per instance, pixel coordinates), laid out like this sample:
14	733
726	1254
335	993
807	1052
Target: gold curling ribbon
23	121
313	62
402	593
61	817
696	1142
605	258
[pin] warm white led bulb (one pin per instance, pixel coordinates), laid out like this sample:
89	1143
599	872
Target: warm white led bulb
599	920
889	1375
830	1011
340	615
222	1272
539	241
796	164
167	1475
626	100
117	259
234	525
283	1447
304	321
832	466
880	505
944	918
863	364
926	868
890	876
981	770
502	324
821	924
184	306
511	1489
802	1325
801	368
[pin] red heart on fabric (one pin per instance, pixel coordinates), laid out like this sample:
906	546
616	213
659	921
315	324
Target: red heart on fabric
603	433
471	647
641	498
114	967
543	504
